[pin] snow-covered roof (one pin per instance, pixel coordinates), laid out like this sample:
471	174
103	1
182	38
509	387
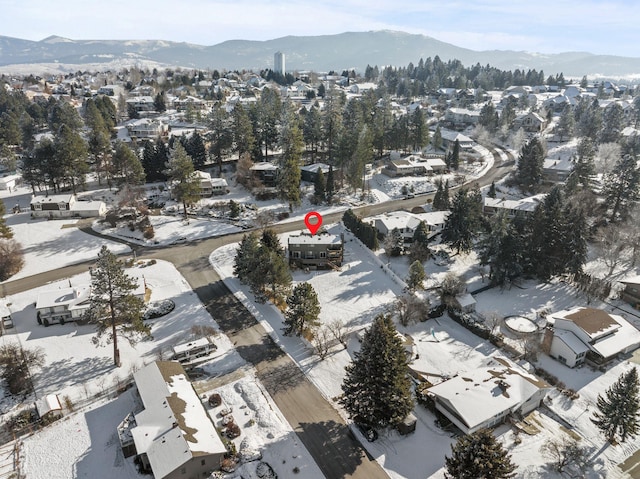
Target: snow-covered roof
52	199
88	206
433	218
398	220
571	340
218	182
264	166
71	297
174	426
314	168
319	239
47	404
558	164
609	334
484	393
465	300
454	135
525	204
197	343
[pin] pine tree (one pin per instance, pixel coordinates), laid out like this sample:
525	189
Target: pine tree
71	154
185	186
377	388
622	186
196	150
247	253
566	126
441	198
319	186
301	317
502	248
419	250
159	103
492	190
530	162
462	223
289	179
479	456
617	413
330	188
113	307
127	166
416	277
5	230
454	160
436	141
489	117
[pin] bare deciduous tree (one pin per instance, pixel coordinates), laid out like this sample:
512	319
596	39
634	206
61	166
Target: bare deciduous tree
15	362
412	309
322	341
338	331
11	258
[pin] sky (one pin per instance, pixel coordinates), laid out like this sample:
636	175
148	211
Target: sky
545	26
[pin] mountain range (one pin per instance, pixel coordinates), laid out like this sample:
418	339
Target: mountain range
318	53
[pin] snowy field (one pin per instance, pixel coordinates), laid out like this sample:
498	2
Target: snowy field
78	369
362	289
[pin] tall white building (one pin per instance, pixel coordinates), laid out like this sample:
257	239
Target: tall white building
278	63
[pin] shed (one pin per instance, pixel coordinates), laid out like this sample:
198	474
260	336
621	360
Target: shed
49	407
465	303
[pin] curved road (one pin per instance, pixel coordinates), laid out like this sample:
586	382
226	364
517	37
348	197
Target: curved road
318	425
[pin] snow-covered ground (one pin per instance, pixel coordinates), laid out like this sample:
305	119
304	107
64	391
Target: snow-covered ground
77	369
362	289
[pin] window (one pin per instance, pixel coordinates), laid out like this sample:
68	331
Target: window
296	254
37	207
323	254
202	462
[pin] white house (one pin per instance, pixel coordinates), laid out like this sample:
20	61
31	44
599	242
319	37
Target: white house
557	169
512	208
449	139
62	305
147	128
406	223
588	334
486	396
462	116
9	182
174	436
65	206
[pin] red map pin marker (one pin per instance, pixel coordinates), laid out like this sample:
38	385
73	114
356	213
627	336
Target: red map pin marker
314	225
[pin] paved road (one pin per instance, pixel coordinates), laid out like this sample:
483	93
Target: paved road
318	425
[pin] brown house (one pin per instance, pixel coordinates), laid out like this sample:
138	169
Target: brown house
320	251
631	291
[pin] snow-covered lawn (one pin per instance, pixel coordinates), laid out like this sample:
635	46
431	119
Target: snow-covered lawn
52	244
76	368
362	289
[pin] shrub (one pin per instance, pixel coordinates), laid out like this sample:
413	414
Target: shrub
215	400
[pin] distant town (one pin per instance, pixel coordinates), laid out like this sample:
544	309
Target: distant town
468	305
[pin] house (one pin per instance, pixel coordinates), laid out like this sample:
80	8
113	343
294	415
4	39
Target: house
512	208
65	206
531	122
210	186
111	90
141	104
62	305
406	223
557	170
310	172
461	117
173	435
449	139
588	334
147	128
266	172
70	304
631	291
409	166
489	395
6	321
9	182
464	303
319	251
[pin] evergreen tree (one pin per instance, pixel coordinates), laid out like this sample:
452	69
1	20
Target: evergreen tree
622	186
419	132
502	247
319	186
416	277
436	141
492	190
463	221
566	126
289	180
330	188
420	246
270	240
221	136
127	167
617	413
113	307
441	198
243	139
584	166
246	255
185	185
612	123
489	117
5	230
71	154
454	160
377	388
479	456
301	317
530	162
196	150
159	104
